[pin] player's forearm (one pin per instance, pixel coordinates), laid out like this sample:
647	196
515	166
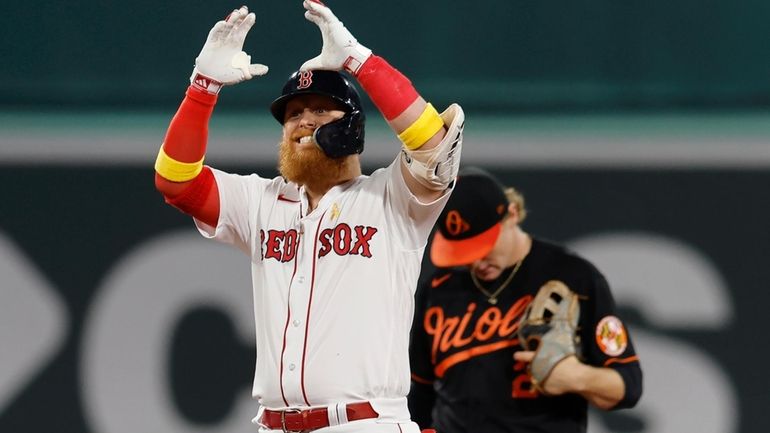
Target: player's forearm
398	101
429	164
406	112
179	172
416	122
602	387
221	62
187	134
180	158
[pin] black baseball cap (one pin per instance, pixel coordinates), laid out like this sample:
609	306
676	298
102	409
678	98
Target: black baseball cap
470	223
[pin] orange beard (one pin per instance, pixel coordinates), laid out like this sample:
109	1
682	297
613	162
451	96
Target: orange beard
310	167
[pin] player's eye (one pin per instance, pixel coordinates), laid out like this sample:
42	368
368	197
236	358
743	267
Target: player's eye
293	114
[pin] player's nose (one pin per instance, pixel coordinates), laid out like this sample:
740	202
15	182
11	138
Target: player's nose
308	119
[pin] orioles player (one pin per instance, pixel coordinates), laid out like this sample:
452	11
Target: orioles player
335	254
469	370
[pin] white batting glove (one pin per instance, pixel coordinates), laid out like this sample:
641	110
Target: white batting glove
222	60
340	49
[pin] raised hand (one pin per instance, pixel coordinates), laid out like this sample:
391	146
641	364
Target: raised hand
340	49
222	60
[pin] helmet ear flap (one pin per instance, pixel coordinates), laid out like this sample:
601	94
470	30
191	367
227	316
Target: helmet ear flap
342	137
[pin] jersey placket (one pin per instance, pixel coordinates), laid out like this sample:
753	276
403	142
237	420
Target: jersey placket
300	291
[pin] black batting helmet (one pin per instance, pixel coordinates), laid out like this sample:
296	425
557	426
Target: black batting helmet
341	137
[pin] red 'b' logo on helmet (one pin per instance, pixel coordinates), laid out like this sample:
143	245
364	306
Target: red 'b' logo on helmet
304	79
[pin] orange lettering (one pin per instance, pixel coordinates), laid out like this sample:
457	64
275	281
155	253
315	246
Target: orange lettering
439	328
458	341
511	320
489	319
467	354
447	332
523	388
450	324
432	329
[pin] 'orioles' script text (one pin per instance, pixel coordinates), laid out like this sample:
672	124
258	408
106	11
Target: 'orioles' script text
493	331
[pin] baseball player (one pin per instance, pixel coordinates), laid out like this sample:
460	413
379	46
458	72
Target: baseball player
335	255
470	369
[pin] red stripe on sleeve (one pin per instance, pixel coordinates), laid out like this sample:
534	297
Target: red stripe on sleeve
421	380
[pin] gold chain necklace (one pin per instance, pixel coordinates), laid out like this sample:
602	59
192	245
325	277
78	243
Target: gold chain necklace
492	297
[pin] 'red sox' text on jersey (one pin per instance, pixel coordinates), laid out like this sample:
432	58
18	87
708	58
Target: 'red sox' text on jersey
308	269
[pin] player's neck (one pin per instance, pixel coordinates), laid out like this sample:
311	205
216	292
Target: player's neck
520	246
316	190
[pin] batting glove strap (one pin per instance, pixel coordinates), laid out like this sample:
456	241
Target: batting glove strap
201	82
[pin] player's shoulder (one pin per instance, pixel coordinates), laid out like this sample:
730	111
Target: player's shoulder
554	255
441	278
247	178
375	186
440	285
554	251
269	189
380	175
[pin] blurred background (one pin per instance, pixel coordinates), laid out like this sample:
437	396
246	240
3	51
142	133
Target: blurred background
638	131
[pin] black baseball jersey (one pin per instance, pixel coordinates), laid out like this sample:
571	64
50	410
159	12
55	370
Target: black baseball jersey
464	377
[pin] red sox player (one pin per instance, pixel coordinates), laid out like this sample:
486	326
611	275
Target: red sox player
335	254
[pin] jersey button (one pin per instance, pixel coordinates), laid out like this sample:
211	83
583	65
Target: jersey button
295	323
291	367
300	279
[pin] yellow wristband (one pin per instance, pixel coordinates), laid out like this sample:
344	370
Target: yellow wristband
425	127
174	170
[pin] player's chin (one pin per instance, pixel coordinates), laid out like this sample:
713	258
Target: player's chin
308	165
488	274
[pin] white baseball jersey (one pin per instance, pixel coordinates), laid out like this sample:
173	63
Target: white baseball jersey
333	288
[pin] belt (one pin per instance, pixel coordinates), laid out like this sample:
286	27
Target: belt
296	420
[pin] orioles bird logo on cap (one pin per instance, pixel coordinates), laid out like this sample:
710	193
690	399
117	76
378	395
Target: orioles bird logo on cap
455	224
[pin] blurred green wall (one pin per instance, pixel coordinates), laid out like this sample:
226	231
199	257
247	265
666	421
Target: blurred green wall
494	56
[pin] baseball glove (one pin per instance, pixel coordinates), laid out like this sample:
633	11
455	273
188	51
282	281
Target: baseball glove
548	327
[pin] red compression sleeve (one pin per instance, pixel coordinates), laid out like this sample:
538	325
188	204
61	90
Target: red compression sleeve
185	141
188	132
200	199
388	88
